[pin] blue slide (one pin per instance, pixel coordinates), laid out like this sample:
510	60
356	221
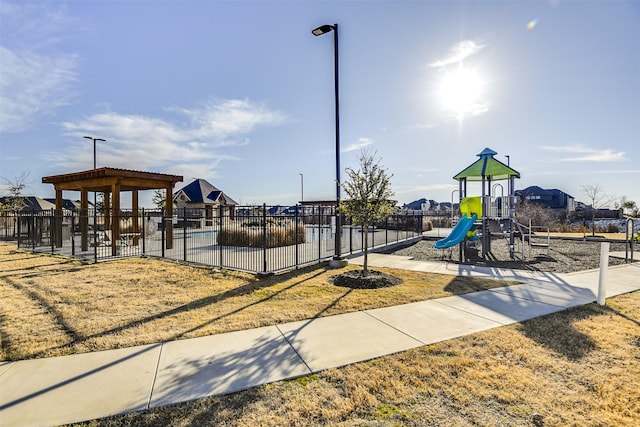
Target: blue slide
458	233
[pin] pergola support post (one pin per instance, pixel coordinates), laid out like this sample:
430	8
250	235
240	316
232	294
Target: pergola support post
106	210
135	217
115	230
58	218
84	219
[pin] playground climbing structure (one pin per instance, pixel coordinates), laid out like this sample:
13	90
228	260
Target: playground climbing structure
494	212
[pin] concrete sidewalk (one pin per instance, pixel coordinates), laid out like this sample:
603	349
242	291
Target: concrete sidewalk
80	387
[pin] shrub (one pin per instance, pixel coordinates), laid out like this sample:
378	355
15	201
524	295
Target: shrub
613	228
283	234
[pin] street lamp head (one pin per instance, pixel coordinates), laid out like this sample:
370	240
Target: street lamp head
323	29
94	139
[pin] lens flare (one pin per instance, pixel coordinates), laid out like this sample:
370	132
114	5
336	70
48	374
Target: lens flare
532	24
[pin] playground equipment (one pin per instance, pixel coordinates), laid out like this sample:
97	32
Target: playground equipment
527	234
459	232
492	213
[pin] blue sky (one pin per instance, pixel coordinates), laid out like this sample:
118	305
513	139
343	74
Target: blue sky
241	93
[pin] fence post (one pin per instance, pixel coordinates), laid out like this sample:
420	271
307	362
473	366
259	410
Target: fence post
18	216
319	234
297	235
144	235
33	230
219	234
264	237
73	237
386	231
51	224
95	234
164	227
184	233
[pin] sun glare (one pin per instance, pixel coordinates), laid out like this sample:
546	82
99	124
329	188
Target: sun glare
460	92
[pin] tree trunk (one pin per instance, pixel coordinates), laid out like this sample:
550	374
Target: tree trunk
365	269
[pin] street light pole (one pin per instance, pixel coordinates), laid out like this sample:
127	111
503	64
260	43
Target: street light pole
95	198
94	147
338	260
301	187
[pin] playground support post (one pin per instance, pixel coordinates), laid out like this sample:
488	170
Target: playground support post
604	266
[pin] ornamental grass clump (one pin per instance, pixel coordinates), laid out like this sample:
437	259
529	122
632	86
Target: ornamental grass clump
273	235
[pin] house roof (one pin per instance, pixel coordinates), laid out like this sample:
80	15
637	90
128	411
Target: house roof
32	204
67	203
533	190
538	191
201	191
417	204
487	166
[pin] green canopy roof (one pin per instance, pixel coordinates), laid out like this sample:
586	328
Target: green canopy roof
486	166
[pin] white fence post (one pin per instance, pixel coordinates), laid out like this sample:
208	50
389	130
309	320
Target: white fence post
604	266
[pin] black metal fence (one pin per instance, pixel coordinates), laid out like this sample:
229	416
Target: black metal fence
258	239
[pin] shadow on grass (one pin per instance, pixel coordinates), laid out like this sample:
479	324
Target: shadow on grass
557	332
33	270
460	285
77	337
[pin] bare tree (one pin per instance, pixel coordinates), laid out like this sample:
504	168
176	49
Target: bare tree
369	196
15	188
15	200
599	199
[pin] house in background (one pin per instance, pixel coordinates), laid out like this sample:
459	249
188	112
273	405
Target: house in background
552	199
420	205
37	204
34	216
29	203
68	205
210	202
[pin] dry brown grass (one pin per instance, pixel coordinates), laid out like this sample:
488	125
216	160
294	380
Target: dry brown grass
52	306
579	367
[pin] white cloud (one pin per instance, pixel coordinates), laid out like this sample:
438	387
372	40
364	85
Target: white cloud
188	146
361	143
36	79
579	153
458	53
222	119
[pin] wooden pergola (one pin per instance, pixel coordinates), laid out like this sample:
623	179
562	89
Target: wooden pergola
111	182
